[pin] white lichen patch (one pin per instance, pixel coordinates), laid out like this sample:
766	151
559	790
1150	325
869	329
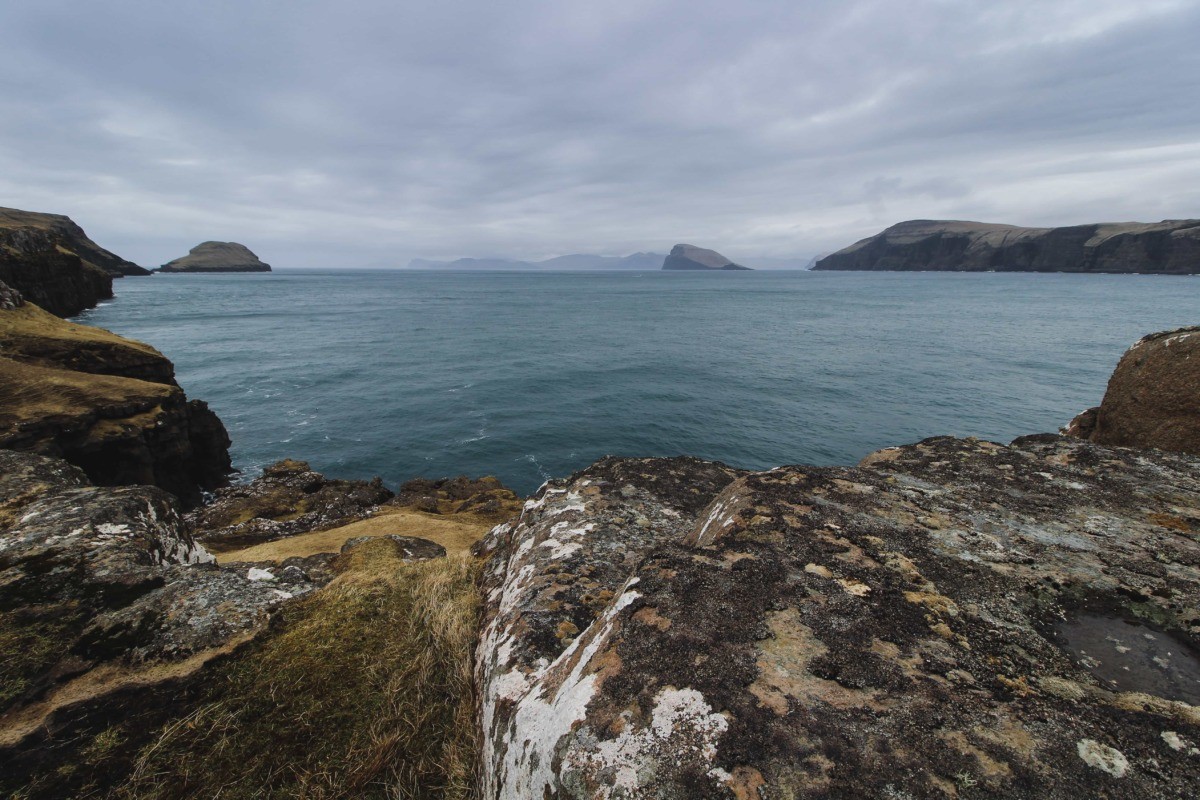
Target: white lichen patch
256	574
683	728
112	529
1102	757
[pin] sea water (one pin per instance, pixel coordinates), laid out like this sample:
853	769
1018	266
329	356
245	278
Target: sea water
532	375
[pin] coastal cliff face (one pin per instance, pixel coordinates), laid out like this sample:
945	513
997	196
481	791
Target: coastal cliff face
107	404
690	257
52	262
217	257
1168	247
951	618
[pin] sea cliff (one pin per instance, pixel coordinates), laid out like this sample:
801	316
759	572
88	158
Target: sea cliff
1169	247
951	618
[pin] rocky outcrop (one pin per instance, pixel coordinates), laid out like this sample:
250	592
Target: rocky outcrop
52	262
1153	396
107	404
485	497
1168	247
288	499
688	256
952	618
217	257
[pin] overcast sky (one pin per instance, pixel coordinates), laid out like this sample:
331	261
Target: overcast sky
363	133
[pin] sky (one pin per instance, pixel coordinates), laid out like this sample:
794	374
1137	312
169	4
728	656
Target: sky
363	134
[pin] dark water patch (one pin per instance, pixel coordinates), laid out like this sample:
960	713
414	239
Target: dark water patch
1130	657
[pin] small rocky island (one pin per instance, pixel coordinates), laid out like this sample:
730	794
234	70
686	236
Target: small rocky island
690	257
217	257
1170	247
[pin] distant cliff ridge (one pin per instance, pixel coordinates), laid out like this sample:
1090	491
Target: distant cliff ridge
1168	247
690	257
217	257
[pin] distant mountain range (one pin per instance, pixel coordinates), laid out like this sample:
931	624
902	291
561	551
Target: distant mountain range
575	261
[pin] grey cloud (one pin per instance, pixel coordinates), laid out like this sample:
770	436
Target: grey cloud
365	133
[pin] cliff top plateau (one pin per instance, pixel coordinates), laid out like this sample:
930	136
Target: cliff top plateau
52	262
688	256
1167	247
217	257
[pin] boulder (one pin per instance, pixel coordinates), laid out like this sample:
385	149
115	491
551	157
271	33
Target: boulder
1153	396
217	257
952	618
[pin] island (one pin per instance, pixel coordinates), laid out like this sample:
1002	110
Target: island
690	257
1169	247
217	257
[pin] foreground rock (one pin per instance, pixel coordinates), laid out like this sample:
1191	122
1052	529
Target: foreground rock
688	256
52	262
107	404
217	257
1153	397
952	618
1167	247
288	499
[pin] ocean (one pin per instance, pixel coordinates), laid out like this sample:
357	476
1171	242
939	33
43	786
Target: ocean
528	376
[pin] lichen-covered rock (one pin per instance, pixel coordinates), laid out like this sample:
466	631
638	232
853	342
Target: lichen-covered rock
486	497
407	548
287	500
954	618
1153	396
10	298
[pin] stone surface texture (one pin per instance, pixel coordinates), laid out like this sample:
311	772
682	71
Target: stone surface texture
688	256
1153	396
217	257
1167	247
286	500
908	628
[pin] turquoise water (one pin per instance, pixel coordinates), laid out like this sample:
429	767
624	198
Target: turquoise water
528	376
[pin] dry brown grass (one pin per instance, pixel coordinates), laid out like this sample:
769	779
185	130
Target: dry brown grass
33	394
455	532
31	323
365	693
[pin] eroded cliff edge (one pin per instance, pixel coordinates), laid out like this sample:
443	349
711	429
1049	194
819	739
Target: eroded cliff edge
1169	247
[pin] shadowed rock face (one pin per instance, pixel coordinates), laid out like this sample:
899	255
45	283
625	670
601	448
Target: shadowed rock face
907	628
106	404
217	257
1168	247
688	256
1153	396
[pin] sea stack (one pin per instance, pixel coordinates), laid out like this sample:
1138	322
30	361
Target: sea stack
217	257
688	256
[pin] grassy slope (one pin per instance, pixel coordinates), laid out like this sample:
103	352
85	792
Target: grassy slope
366	692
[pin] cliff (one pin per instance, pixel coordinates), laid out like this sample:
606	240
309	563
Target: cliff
690	257
52	262
1169	247
217	257
107	404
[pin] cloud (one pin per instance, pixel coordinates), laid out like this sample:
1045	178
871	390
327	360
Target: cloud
366	133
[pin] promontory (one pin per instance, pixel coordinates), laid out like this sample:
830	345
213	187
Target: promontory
1169	247
217	257
688	256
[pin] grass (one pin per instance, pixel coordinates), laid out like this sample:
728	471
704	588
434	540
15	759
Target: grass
30	643
365	692
455	532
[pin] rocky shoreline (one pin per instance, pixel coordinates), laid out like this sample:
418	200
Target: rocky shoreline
951	618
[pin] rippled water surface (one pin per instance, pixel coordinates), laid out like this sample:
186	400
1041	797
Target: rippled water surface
528	376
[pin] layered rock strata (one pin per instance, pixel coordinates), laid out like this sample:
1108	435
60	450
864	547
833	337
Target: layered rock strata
1167	247
951	618
106	404
217	257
